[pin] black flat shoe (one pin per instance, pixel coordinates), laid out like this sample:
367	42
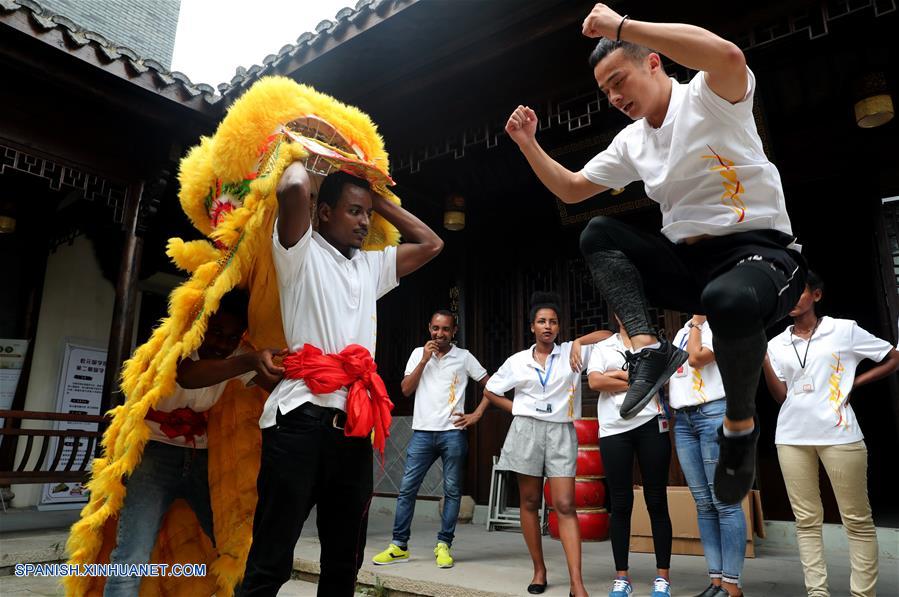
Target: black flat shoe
536	588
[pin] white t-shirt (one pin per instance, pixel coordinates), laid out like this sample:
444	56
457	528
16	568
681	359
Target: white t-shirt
328	301
607	355
689	386
198	400
815	412
441	389
551	392
705	166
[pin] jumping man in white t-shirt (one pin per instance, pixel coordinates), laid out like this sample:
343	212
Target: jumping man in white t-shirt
437	373
318	422
726	248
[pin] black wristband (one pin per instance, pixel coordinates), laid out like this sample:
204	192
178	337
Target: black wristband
621	24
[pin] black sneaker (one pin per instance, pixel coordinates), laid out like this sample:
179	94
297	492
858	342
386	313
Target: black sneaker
735	472
648	370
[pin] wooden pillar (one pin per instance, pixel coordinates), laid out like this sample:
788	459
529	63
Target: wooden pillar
121	331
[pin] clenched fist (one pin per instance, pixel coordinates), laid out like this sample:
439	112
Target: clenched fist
602	22
522	125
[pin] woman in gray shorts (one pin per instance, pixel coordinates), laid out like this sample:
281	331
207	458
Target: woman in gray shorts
542	441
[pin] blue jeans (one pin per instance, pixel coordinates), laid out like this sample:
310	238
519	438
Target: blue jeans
722	527
164	474
424	448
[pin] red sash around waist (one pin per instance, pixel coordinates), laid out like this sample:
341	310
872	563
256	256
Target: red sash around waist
181	421
367	405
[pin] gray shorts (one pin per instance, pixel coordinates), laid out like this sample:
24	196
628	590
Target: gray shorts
539	448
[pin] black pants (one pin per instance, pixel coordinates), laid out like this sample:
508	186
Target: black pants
653	451
742	282
307	462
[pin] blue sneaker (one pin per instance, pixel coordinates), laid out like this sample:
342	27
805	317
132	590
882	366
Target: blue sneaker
621	587
661	587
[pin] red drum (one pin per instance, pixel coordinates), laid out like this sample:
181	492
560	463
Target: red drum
589	462
589	492
587	431
593	522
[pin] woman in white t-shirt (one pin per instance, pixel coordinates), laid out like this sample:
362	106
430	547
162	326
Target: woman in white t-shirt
696	396
541	441
810	371
645	436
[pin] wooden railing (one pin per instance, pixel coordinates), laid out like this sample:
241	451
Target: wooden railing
26	469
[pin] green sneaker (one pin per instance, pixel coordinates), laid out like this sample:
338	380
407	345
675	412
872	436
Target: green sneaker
444	559
392	555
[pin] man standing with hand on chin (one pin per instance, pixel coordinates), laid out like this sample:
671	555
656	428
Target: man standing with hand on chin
726	247
437	374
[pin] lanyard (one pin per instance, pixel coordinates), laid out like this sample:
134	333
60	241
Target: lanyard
544	380
803	361
684	341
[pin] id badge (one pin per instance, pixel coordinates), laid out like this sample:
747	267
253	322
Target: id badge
804	385
663	424
544	407
681	371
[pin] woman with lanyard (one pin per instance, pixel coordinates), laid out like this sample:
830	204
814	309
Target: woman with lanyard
810	371
646	436
696	394
541	440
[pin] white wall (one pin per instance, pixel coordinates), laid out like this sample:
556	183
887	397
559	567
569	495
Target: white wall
77	302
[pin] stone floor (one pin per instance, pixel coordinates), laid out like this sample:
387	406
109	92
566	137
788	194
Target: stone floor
49	587
496	563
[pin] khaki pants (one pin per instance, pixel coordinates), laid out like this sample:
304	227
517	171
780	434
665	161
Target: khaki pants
847	467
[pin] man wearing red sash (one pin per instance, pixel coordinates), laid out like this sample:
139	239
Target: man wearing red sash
174	463
317	425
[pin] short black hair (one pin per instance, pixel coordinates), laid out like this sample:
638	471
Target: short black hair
544	300
814	281
606	46
333	185
445	313
237	303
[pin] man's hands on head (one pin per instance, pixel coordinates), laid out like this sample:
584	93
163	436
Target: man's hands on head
602	22
294	202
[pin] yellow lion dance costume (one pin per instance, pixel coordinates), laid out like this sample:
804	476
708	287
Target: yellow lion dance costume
228	186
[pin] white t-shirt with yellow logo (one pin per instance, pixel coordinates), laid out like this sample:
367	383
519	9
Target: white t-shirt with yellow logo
705	165
549	392
690	386
816	411
441	389
607	355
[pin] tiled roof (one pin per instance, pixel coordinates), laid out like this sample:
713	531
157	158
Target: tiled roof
327	35
32	19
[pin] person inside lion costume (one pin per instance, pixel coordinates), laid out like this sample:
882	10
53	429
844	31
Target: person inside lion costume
227	190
